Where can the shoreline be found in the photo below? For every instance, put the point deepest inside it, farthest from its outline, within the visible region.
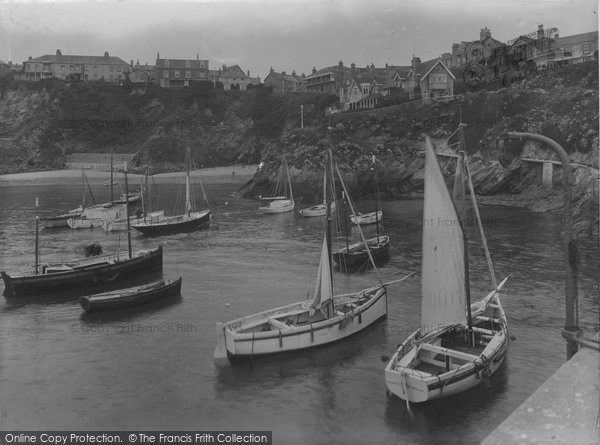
(212, 175)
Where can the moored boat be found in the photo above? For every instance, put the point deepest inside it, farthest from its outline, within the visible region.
(458, 344)
(366, 218)
(322, 320)
(355, 255)
(280, 203)
(131, 297)
(83, 274)
(188, 221)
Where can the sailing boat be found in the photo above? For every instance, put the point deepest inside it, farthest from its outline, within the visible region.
(82, 274)
(190, 220)
(319, 209)
(355, 255)
(458, 343)
(281, 203)
(371, 217)
(147, 215)
(324, 319)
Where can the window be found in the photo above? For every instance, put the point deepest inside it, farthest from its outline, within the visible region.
(187, 63)
(166, 64)
(165, 73)
(188, 74)
(72, 68)
(551, 55)
(568, 51)
(177, 74)
(587, 48)
(62, 67)
(365, 89)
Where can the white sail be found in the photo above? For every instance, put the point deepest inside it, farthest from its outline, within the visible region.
(324, 288)
(443, 299)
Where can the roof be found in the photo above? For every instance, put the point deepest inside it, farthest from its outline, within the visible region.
(86, 60)
(233, 71)
(575, 39)
(181, 64)
(3, 63)
(438, 62)
(281, 76)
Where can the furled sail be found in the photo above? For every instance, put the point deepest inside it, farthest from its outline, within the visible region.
(443, 299)
(458, 190)
(324, 288)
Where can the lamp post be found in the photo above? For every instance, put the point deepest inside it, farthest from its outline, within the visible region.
(571, 328)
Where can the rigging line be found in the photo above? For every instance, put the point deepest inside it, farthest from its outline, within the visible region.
(479, 226)
(90, 190)
(362, 235)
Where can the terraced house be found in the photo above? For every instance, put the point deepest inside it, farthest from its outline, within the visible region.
(180, 72)
(74, 67)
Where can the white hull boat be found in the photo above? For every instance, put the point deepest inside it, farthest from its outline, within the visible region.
(367, 218)
(278, 206)
(458, 344)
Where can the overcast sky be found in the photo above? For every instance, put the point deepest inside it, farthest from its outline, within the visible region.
(285, 34)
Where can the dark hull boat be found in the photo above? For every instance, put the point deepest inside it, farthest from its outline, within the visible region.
(175, 224)
(84, 274)
(130, 297)
(356, 255)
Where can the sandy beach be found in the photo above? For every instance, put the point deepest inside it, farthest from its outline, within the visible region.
(215, 175)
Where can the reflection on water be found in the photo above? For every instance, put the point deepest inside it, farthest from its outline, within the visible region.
(152, 368)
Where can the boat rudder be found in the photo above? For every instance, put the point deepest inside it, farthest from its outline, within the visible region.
(220, 355)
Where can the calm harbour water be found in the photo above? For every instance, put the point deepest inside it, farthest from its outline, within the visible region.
(153, 369)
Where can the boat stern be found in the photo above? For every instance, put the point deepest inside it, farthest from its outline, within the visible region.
(220, 355)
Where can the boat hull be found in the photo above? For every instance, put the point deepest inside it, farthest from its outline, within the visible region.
(367, 218)
(130, 298)
(318, 210)
(175, 224)
(278, 206)
(246, 345)
(356, 255)
(457, 370)
(83, 277)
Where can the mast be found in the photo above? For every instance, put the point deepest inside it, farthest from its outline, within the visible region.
(111, 177)
(476, 210)
(468, 290)
(188, 204)
(328, 219)
(287, 170)
(82, 190)
(127, 209)
(147, 206)
(37, 232)
(374, 168)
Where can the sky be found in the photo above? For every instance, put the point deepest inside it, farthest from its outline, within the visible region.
(288, 35)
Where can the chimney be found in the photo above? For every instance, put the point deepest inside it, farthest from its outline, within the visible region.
(314, 71)
(197, 56)
(352, 67)
(415, 62)
(158, 55)
(58, 52)
(106, 54)
(248, 73)
(272, 70)
(294, 73)
(131, 63)
(455, 47)
(484, 34)
(283, 73)
(386, 66)
(540, 32)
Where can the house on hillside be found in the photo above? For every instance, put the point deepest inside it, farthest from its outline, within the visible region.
(234, 78)
(4, 69)
(285, 83)
(180, 72)
(142, 74)
(77, 68)
(572, 49)
(327, 80)
(438, 81)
